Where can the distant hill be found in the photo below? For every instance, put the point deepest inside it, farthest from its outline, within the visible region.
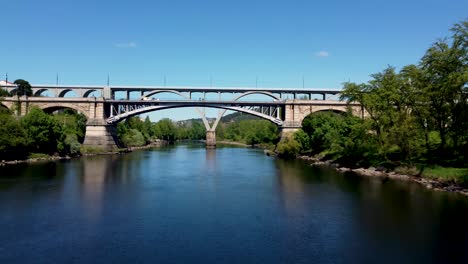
(234, 117)
(238, 116)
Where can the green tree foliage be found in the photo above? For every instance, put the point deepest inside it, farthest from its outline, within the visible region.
(38, 132)
(418, 114)
(4, 93)
(337, 136)
(288, 148)
(165, 129)
(73, 123)
(24, 88)
(43, 132)
(251, 132)
(127, 132)
(133, 138)
(13, 138)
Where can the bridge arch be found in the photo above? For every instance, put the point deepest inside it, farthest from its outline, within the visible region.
(41, 92)
(205, 121)
(13, 91)
(164, 91)
(121, 117)
(243, 95)
(340, 111)
(64, 92)
(52, 108)
(257, 92)
(88, 92)
(203, 117)
(2, 106)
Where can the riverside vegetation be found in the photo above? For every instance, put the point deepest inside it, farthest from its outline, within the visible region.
(417, 118)
(236, 127)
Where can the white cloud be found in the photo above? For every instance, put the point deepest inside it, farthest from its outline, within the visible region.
(126, 45)
(322, 53)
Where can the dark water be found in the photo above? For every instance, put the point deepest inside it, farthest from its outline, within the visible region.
(230, 205)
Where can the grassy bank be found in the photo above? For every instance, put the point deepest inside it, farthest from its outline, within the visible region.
(450, 175)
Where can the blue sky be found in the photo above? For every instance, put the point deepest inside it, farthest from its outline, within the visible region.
(233, 43)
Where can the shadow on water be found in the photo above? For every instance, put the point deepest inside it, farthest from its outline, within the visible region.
(396, 218)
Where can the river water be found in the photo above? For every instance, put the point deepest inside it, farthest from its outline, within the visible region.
(186, 204)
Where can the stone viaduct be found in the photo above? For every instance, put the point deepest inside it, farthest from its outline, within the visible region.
(286, 108)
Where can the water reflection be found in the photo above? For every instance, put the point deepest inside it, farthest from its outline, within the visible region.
(392, 218)
(191, 204)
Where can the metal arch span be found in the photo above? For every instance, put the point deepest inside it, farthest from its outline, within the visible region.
(220, 115)
(123, 116)
(203, 117)
(257, 92)
(164, 91)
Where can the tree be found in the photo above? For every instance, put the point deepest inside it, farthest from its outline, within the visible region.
(164, 129)
(133, 138)
(43, 131)
(13, 138)
(24, 88)
(445, 73)
(4, 93)
(288, 148)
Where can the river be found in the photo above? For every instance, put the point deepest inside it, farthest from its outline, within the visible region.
(188, 204)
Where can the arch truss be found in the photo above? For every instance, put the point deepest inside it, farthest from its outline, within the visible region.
(271, 112)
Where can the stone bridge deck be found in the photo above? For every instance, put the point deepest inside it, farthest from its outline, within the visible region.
(103, 113)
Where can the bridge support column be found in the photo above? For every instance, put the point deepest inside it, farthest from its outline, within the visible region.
(100, 135)
(288, 131)
(211, 139)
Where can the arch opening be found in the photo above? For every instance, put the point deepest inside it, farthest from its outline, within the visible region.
(255, 95)
(4, 109)
(44, 93)
(151, 95)
(60, 109)
(331, 110)
(68, 93)
(121, 117)
(92, 93)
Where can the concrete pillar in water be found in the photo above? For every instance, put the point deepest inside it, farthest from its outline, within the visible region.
(100, 135)
(211, 139)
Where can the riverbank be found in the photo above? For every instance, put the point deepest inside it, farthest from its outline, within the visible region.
(433, 184)
(33, 160)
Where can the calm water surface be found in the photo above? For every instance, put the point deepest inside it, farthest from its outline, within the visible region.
(186, 204)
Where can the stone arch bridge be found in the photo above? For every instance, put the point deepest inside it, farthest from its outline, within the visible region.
(282, 107)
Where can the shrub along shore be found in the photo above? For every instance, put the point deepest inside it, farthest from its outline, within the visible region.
(439, 178)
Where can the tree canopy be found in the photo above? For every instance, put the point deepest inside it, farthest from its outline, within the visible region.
(24, 88)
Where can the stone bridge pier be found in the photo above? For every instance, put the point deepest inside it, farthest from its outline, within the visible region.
(100, 135)
(296, 110)
(211, 138)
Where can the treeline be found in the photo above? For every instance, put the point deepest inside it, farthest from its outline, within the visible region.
(418, 115)
(248, 130)
(38, 132)
(136, 132)
(234, 127)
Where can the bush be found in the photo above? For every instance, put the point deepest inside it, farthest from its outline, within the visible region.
(288, 148)
(133, 138)
(72, 144)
